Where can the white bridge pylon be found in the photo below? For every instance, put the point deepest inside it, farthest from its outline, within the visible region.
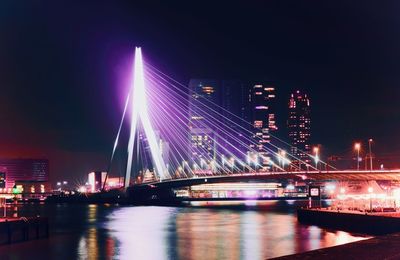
(139, 112)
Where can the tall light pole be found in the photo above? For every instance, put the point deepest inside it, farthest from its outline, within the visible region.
(316, 156)
(232, 163)
(283, 154)
(357, 147)
(248, 160)
(370, 190)
(255, 161)
(370, 152)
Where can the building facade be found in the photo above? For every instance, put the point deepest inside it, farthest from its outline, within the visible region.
(204, 99)
(25, 170)
(264, 122)
(299, 128)
(219, 117)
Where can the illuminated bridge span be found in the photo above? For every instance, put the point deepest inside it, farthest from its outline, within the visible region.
(310, 176)
(282, 185)
(161, 152)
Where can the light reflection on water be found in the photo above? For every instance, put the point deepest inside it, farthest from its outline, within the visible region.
(199, 233)
(112, 232)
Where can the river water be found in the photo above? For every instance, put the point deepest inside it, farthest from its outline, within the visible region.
(251, 230)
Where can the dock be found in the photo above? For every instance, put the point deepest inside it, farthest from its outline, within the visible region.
(374, 223)
(13, 230)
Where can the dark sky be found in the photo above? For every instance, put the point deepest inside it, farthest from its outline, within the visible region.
(62, 67)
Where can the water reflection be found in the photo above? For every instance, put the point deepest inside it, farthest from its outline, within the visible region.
(198, 233)
(141, 231)
(232, 232)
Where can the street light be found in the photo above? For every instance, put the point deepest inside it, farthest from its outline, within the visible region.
(232, 162)
(212, 166)
(202, 163)
(316, 156)
(248, 159)
(370, 152)
(370, 190)
(256, 161)
(357, 147)
(282, 153)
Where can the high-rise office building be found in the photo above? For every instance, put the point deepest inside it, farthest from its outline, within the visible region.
(299, 127)
(204, 94)
(264, 121)
(224, 114)
(219, 117)
(235, 101)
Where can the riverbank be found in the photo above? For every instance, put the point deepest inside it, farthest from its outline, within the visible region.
(368, 223)
(381, 247)
(13, 230)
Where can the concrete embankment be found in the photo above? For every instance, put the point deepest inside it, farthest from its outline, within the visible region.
(14, 230)
(381, 247)
(368, 223)
(384, 246)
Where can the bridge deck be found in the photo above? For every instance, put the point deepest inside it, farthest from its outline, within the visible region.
(346, 175)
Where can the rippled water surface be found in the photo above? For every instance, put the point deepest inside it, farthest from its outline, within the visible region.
(254, 231)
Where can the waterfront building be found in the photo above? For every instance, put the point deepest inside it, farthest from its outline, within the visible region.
(299, 128)
(25, 171)
(264, 121)
(219, 117)
(96, 180)
(236, 113)
(203, 94)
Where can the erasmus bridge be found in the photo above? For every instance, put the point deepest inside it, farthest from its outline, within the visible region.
(159, 145)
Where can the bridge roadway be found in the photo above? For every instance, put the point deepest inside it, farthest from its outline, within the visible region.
(344, 175)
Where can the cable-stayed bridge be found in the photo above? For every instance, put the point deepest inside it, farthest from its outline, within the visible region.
(177, 137)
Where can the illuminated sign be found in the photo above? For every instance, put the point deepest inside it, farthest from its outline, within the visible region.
(314, 192)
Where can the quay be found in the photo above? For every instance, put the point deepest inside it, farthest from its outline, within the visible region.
(381, 247)
(13, 230)
(374, 223)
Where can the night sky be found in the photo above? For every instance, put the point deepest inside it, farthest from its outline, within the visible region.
(63, 67)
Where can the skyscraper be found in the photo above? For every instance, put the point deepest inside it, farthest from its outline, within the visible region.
(219, 117)
(235, 101)
(204, 93)
(264, 120)
(299, 127)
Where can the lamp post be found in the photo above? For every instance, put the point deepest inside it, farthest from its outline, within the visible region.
(202, 163)
(370, 190)
(283, 154)
(248, 160)
(212, 166)
(255, 161)
(357, 147)
(370, 152)
(232, 163)
(316, 156)
(223, 162)
(183, 165)
(195, 167)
